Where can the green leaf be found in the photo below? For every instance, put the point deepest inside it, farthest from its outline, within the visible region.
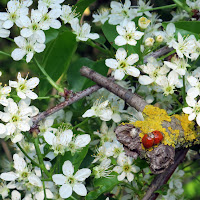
(78, 82)
(187, 28)
(74, 78)
(51, 34)
(57, 57)
(77, 158)
(81, 5)
(102, 185)
(110, 33)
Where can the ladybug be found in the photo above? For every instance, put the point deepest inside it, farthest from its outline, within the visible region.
(148, 141)
(158, 137)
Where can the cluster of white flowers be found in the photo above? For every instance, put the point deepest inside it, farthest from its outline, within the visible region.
(17, 116)
(33, 24)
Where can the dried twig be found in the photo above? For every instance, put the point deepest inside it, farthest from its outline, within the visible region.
(77, 96)
(130, 98)
(162, 179)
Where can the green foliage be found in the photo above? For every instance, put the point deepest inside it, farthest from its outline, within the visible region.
(82, 5)
(78, 82)
(102, 185)
(187, 28)
(57, 57)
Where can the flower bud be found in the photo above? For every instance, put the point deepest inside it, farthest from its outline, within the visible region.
(143, 22)
(159, 38)
(149, 42)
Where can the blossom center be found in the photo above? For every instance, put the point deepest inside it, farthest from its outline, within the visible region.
(126, 168)
(15, 118)
(123, 65)
(71, 180)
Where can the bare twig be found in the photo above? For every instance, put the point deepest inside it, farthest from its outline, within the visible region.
(130, 98)
(88, 91)
(77, 96)
(162, 179)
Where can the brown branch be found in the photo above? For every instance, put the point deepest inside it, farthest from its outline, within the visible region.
(162, 179)
(130, 98)
(138, 103)
(77, 96)
(88, 91)
(160, 52)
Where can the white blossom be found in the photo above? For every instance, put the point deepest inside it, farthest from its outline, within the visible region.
(32, 27)
(59, 140)
(67, 14)
(15, 11)
(4, 93)
(155, 71)
(125, 168)
(169, 34)
(49, 18)
(127, 34)
(185, 46)
(194, 91)
(101, 15)
(193, 109)
(70, 182)
(119, 12)
(4, 33)
(82, 32)
(178, 65)
(123, 65)
(24, 87)
(27, 46)
(99, 110)
(17, 116)
(143, 5)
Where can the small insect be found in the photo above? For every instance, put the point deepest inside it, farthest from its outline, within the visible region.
(151, 139)
(148, 141)
(158, 137)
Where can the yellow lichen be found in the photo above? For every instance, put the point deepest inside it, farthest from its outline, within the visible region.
(153, 120)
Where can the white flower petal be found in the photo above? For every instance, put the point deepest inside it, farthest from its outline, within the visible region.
(18, 54)
(187, 110)
(9, 176)
(68, 168)
(121, 54)
(193, 92)
(80, 189)
(65, 191)
(119, 74)
(191, 116)
(112, 63)
(82, 174)
(82, 140)
(59, 179)
(145, 80)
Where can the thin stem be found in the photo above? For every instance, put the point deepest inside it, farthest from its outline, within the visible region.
(105, 51)
(4, 53)
(10, 39)
(175, 111)
(181, 5)
(176, 100)
(83, 122)
(43, 184)
(40, 157)
(32, 161)
(51, 81)
(160, 8)
(183, 91)
(165, 56)
(48, 97)
(73, 197)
